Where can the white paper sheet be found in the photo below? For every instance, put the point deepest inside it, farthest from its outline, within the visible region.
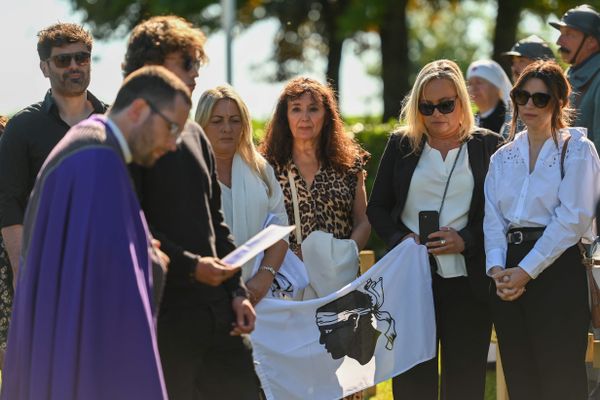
(256, 244)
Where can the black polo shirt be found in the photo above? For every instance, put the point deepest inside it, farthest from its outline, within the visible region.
(27, 140)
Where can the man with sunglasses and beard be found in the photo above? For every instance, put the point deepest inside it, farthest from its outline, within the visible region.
(579, 46)
(205, 313)
(65, 57)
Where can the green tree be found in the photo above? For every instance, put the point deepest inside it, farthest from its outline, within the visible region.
(116, 17)
(410, 32)
(307, 28)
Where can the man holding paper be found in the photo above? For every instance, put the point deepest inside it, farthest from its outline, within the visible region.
(205, 312)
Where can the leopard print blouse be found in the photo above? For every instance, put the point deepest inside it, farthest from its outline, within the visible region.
(326, 205)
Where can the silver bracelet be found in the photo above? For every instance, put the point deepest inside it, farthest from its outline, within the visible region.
(268, 268)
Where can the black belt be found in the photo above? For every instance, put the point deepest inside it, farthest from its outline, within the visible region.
(520, 235)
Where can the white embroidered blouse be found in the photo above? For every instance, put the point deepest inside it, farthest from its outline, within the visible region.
(515, 198)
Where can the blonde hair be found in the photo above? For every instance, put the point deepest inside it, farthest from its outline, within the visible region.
(414, 126)
(246, 148)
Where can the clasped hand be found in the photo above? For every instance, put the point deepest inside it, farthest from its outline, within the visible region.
(510, 282)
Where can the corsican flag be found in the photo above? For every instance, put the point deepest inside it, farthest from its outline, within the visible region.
(376, 327)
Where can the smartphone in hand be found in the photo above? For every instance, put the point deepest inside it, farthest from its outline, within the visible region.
(429, 222)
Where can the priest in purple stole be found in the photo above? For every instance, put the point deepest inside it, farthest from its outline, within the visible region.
(83, 322)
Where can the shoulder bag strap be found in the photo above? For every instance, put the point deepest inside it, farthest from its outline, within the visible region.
(448, 181)
(563, 154)
(296, 207)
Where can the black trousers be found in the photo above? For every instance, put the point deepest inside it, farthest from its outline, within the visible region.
(543, 334)
(463, 329)
(200, 359)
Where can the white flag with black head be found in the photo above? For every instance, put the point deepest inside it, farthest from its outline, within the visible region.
(378, 326)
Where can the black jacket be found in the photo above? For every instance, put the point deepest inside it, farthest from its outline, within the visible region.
(496, 119)
(390, 190)
(181, 198)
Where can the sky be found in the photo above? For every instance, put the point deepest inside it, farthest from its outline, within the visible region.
(22, 82)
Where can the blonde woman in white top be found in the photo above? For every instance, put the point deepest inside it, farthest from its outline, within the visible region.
(249, 190)
(541, 192)
(440, 157)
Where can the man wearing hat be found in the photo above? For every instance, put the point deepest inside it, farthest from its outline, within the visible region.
(526, 51)
(579, 46)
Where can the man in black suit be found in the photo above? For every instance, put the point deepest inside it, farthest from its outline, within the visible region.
(205, 312)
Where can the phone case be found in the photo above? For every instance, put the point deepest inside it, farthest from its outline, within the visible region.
(429, 222)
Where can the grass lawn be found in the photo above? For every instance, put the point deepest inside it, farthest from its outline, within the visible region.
(384, 389)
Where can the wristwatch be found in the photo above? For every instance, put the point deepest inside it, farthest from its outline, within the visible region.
(268, 268)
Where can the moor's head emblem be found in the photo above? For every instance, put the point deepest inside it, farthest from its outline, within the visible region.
(347, 324)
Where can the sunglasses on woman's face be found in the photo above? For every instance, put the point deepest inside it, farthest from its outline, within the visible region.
(444, 106)
(64, 60)
(190, 63)
(521, 97)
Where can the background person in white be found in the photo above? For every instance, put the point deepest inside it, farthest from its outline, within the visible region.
(533, 221)
(249, 189)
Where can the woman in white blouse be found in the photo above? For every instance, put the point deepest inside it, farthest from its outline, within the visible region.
(249, 190)
(541, 192)
(437, 162)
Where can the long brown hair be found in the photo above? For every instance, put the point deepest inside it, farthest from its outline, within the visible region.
(549, 72)
(335, 149)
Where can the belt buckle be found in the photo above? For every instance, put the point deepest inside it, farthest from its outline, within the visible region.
(518, 235)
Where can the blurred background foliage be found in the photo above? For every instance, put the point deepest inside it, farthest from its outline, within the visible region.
(405, 33)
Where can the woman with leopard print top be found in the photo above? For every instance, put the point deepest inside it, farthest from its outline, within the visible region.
(305, 141)
(316, 162)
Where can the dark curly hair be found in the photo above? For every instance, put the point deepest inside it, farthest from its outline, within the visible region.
(336, 148)
(559, 89)
(152, 40)
(59, 35)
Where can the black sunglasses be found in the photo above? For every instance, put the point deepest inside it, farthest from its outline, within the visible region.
(521, 97)
(444, 106)
(174, 127)
(190, 63)
(64, 60)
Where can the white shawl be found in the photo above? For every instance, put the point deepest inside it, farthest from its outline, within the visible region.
(251, 204)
